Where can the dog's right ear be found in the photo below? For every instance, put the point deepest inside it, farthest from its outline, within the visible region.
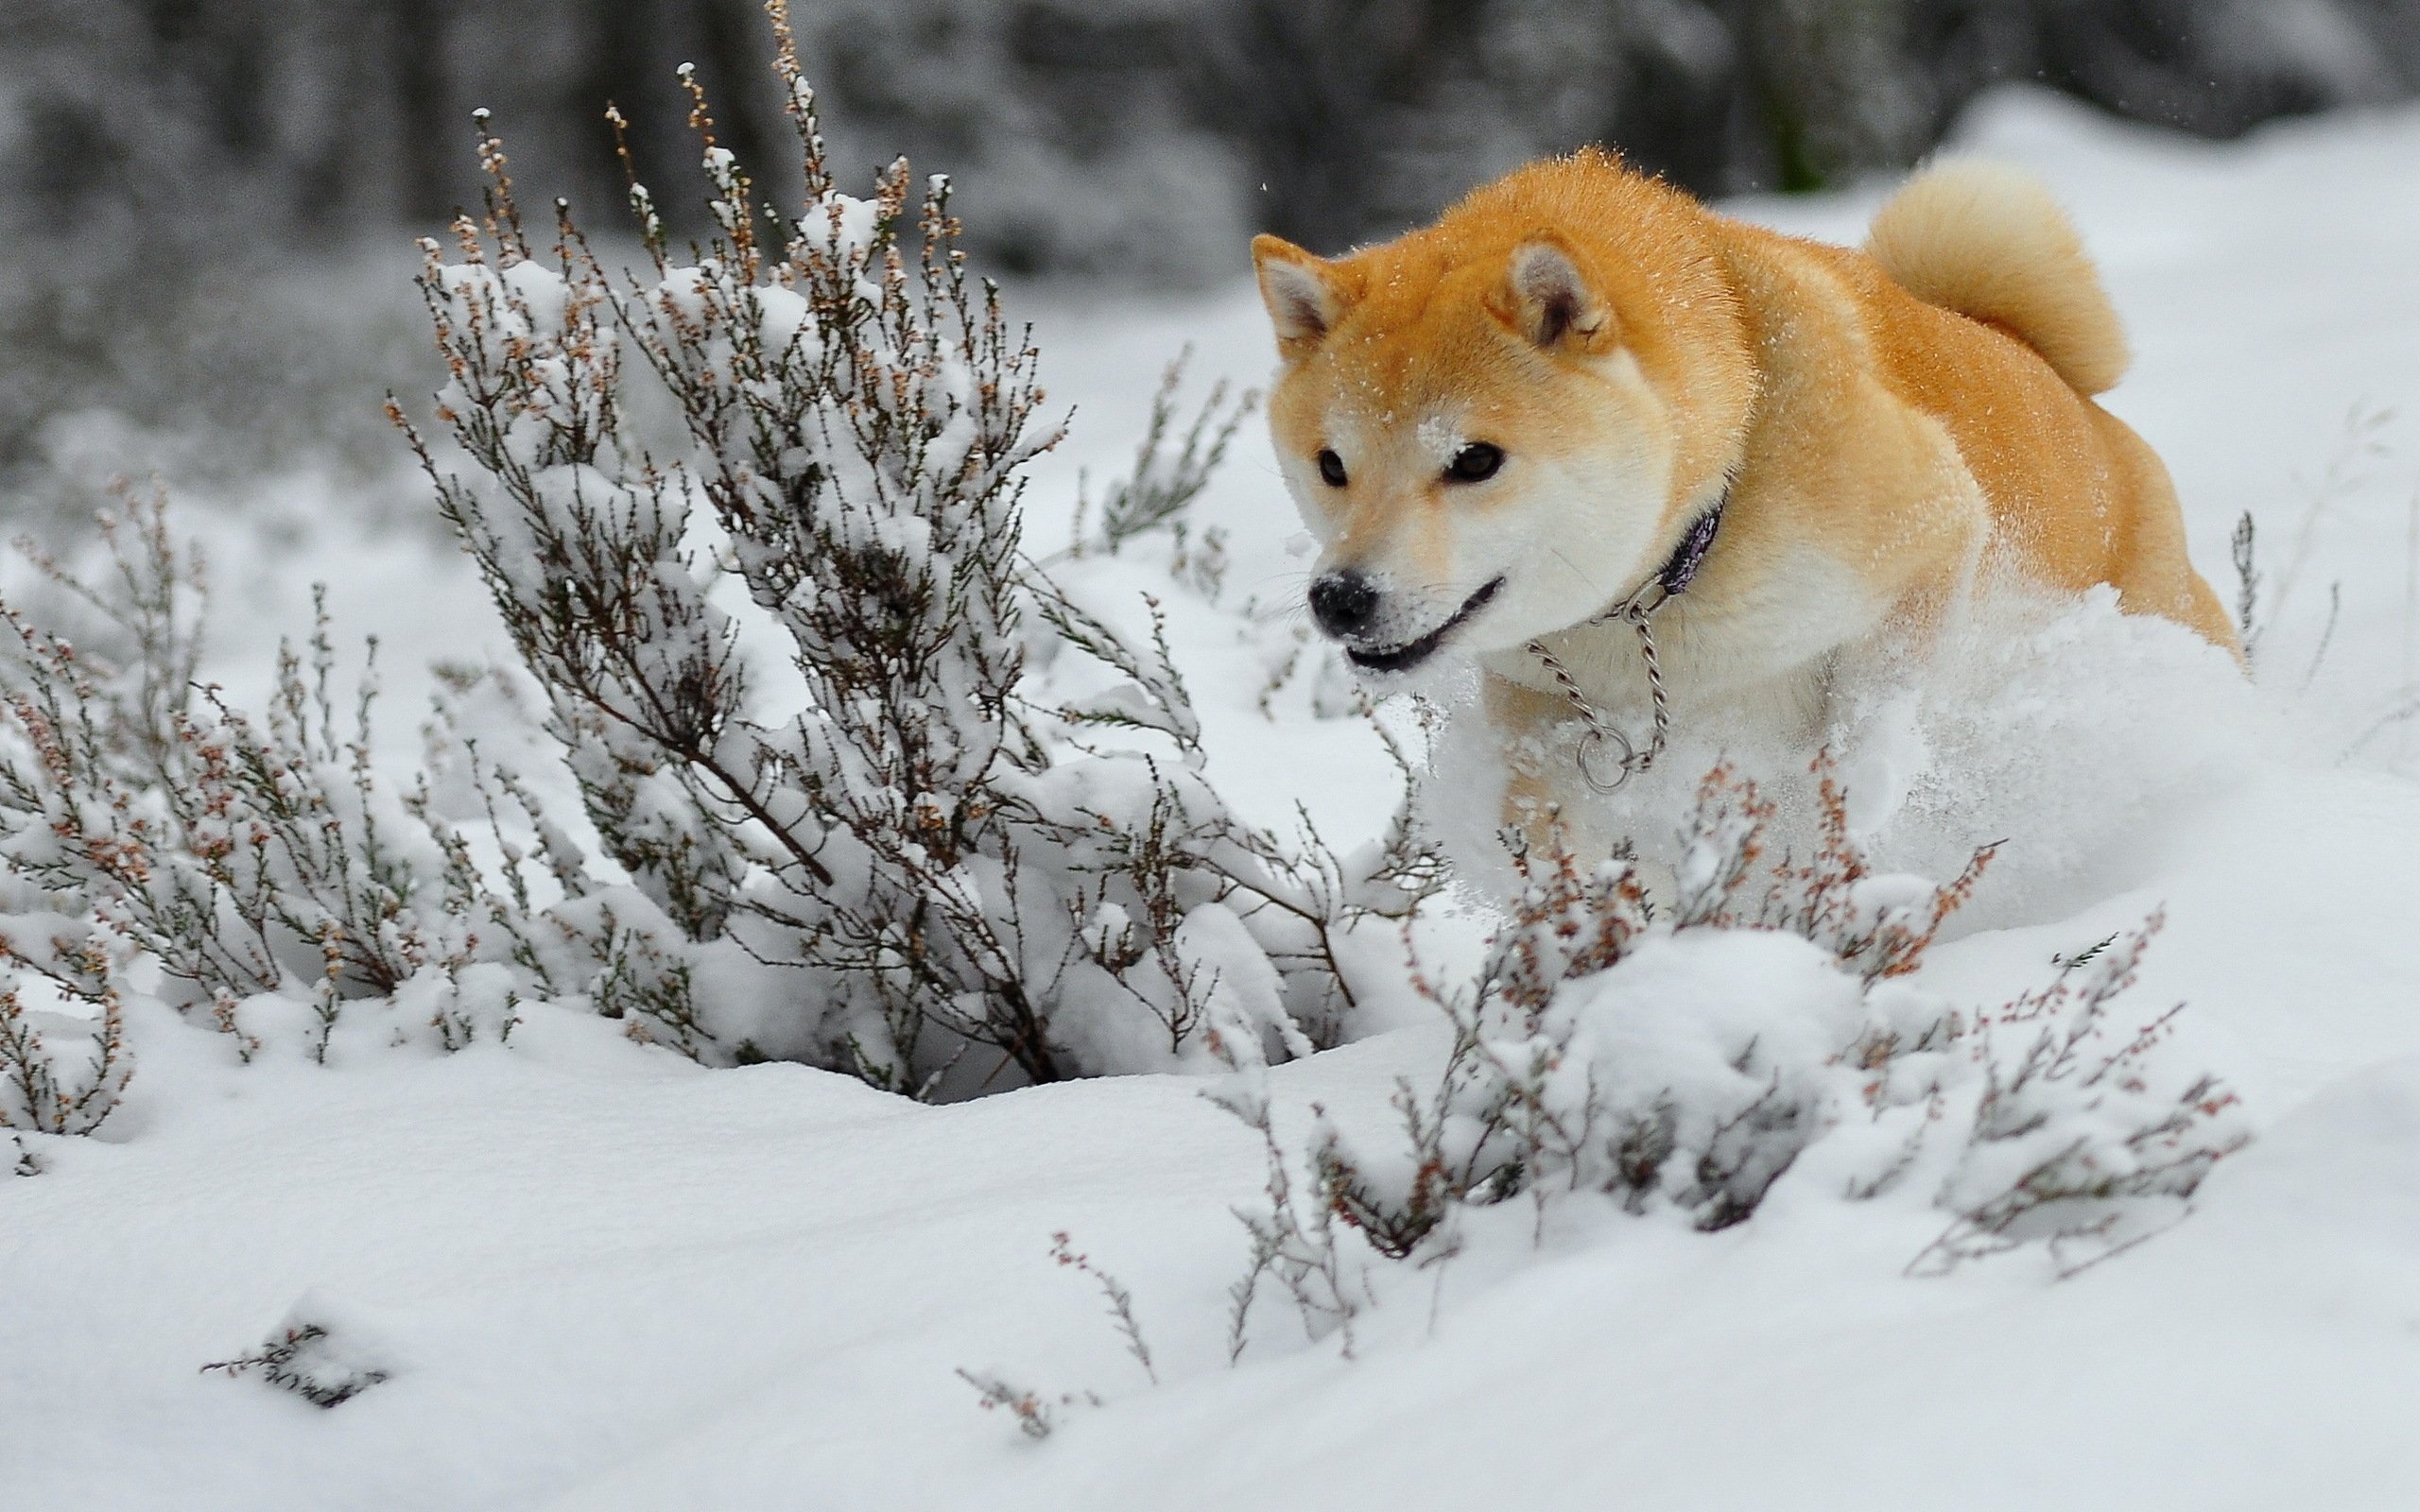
(1301, 292)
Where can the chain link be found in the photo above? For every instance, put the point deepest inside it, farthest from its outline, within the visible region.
(1601, 732)
(1671, 581)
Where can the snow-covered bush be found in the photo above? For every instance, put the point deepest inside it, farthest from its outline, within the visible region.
(939, 858)
(898, 853)
(300, 1361)
(142, 815)
(1684, 1064)
(38, 1093)
(321, 1352)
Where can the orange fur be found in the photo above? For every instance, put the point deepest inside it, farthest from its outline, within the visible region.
(1886, 426)
(1986, 241)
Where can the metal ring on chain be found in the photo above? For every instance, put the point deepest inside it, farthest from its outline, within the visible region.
(1590, 755)
(1638, 609)
(1624, 764)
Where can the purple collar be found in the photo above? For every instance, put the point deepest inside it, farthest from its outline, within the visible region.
(1681, 567)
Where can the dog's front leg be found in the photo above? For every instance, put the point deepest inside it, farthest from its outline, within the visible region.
(1547, 800)
(1536, 795)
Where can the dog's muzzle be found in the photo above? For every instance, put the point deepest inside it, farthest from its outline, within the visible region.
(1411, 653)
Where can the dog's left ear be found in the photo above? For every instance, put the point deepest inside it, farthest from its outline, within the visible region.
(1547, 298)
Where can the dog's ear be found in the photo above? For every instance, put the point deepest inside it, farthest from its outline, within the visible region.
(1302, 293)
(1547, 298)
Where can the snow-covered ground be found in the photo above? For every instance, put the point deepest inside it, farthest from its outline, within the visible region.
(598, 1276)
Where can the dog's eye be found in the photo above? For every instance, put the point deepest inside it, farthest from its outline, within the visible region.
(1332, 470)
(1475, 463)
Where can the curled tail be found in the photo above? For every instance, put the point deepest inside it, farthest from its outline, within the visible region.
(1988, 241)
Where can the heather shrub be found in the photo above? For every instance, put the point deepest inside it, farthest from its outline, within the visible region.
(43, 1093)
(1684, 1064)
(243, 856)
(323, 1352)
(801, 681)
(933, 855)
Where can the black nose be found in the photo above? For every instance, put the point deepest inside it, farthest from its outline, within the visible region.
(1342, 602)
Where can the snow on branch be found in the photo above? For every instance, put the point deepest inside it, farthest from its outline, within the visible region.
(1687, 1064)
(245, 856)
(960, 878)
(923, 865)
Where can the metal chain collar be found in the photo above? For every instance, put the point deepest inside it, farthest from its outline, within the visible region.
(1601, 731)
(1670, 581)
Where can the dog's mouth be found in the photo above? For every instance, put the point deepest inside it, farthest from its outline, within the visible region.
(1411, 653)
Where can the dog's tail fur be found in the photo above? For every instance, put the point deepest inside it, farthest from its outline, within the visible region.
(1988, 242)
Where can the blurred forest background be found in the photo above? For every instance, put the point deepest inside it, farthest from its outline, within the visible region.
(206, 206)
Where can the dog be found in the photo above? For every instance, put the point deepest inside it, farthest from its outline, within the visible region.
(1640, 462)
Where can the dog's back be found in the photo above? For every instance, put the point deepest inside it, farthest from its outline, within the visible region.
(2075, 494)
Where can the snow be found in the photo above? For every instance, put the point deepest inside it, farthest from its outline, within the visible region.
(2257, 1357)
(596, 1276)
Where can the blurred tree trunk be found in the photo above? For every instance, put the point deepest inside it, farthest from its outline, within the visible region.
(615, 72)
(1315, 94)
(1835, 86)
(1086, 133)
(430, 152)
(735, 63)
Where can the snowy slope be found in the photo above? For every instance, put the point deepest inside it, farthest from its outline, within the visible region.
(599, 1276)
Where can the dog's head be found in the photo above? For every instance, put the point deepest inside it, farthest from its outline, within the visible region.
(1471, 435)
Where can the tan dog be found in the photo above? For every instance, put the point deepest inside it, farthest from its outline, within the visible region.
(1580, 380)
